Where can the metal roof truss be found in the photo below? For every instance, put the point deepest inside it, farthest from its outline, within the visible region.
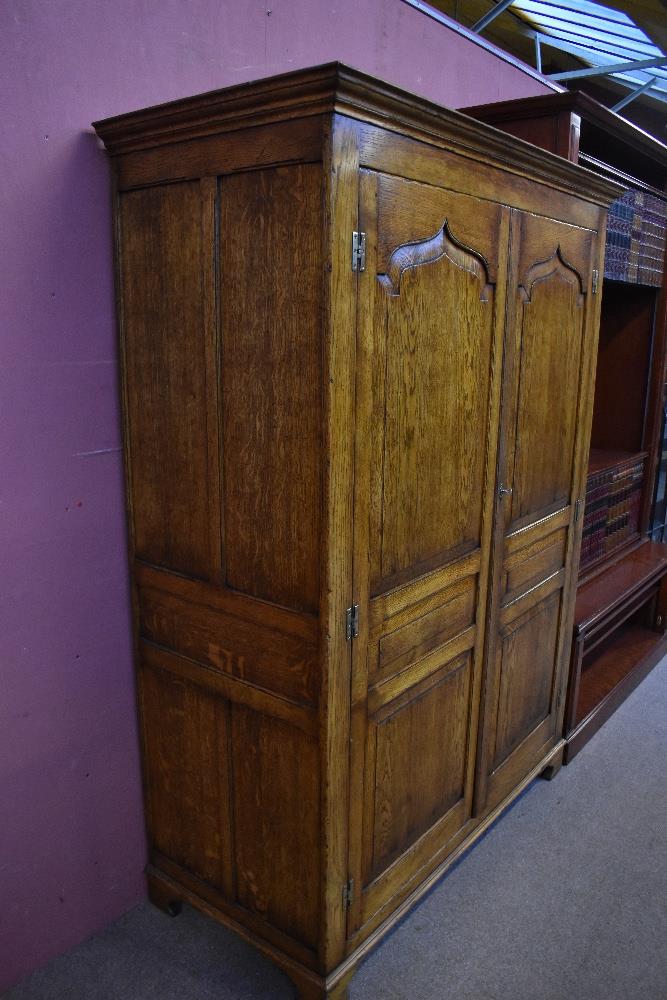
(607, 39)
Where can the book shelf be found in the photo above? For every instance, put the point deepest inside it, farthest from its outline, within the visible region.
(621, 608)
(612, 504)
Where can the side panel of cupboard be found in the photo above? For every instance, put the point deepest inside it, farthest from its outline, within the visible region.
(222, 357)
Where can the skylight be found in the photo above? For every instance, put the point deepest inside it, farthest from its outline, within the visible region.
(597, 35)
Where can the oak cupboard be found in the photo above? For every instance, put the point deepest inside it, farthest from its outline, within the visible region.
(357, 337)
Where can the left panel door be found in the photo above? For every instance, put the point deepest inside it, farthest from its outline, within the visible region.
(431, 305)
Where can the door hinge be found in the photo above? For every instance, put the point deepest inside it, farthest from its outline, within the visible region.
(352, 622)
(348, 894)
(578, 508)
(596, 281)
(358, 251)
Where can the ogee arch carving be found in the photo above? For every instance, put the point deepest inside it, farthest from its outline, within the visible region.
(428, 251)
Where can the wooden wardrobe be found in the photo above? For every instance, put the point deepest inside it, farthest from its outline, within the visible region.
(357, 342)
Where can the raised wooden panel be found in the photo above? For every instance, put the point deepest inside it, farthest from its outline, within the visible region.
(229, 601)
(526, 567)
(257, 654)
(420, 758)
(430, 626)
(240, 150)
(551, 351)
(187, 768)
(436, 321)
(277, 822)
(164, 267)
(403, 157)
(271, 328)
(527, 654)
(396, 200)
(401, 605)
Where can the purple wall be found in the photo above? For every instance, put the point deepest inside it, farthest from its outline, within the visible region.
(71, 831)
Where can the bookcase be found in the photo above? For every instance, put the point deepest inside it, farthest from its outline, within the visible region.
(619, 622)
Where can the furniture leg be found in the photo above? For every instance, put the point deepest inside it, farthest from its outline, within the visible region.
(163, 897)
(308, 988)
(552, 769)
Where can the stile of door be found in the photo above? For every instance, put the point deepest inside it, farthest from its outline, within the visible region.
(431, 309)
(545, 415)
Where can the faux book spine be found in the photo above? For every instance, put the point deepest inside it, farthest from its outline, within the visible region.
(635, 249)
(611, 514)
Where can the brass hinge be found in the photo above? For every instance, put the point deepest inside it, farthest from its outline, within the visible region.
(596, 281)
(348, 894)
(578, 508)
(358, 251)
(352, 622)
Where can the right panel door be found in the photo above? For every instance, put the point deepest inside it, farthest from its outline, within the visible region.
(545, 418)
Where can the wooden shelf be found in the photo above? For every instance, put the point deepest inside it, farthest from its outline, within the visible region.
(598, 599)
(618, 638)
(607, 682)
(627, 648)
(601, 459)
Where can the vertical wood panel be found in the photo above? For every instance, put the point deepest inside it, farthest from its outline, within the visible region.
(211, 305)
(341, 193)
(271, 301)
(277, 822)
(551, 346)
(432, 347)
(438, 345)
(186, 732)
(420, 763)
(527, 666)
(162, 271)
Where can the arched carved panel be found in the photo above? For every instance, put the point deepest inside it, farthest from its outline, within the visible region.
(437, 324)
(428, 251)
(554, 266)
(550, 315)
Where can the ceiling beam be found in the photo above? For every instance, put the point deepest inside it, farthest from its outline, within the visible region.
(491, 16)
(635, 93)
(622, 67)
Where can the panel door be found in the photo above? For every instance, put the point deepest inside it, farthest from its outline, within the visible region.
(545, 418)
(431, 303)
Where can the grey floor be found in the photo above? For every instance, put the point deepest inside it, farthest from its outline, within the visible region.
(564, 899)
